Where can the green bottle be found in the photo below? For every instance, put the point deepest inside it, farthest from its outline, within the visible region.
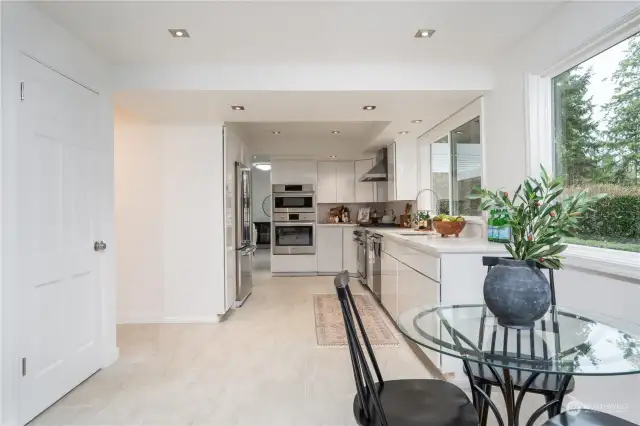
(491, 227)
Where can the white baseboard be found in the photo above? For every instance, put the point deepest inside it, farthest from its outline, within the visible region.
(170, 320)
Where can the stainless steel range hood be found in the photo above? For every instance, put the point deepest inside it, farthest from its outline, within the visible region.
(378, 172)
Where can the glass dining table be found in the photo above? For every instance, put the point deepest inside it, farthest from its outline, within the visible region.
(566, 342)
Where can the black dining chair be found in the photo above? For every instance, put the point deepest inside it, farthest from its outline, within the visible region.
(586, 418)
(413, 402)
(547, 385)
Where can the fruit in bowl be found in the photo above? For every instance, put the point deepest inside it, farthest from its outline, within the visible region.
(448, 225)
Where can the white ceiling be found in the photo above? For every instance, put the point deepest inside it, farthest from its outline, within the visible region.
(394, 112)
(309, 139)
(285, 32)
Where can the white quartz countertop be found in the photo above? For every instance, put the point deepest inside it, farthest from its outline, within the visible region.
(337, 224)
(434, 244)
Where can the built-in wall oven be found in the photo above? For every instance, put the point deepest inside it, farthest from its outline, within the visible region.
(298, 198)
(294, 233)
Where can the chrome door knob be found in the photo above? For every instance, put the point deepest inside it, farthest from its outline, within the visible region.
(99, 246)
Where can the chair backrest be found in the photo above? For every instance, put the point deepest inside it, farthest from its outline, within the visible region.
(367, 395)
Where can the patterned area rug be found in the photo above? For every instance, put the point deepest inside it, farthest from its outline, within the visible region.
(330, 330)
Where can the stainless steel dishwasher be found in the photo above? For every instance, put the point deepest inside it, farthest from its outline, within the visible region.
(374, 264)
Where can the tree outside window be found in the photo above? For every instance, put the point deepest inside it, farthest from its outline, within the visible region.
(597, 142)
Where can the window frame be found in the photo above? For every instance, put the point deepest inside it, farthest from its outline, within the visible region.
(471, 111)
(539, 149)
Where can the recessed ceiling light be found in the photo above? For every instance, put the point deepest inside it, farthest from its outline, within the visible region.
(275, 132)
(263, 166)
(416, 121)
(255, 156)
(335, 132)
(333, 156)
(424, 33)
(237, 107)
(179, 33)
(369, 107)
(404, 132)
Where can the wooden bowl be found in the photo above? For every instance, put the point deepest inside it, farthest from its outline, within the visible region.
(448, 228)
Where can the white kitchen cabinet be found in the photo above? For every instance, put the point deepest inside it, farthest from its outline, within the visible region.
(364, 191)
(389, 291)
(329, 248)
(336, 182)
(326, 191)
(415, 289)
(349, 251)
(391, 172)
(346, 182)
(294, 172)
(402, 168)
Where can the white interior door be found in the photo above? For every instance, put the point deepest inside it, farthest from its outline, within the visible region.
(57, 267)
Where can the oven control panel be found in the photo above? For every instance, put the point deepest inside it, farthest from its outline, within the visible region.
(294, 217)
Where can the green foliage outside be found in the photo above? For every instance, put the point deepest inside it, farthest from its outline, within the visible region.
(602, 157)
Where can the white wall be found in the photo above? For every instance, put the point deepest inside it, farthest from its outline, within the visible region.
(168, 205)
(139, 220)
(261, 187)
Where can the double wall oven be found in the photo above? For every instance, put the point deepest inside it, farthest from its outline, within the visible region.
(294, 220)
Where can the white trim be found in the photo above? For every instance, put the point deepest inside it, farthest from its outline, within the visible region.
(169, 320)
(620, 264)
(608, 37)
(538, 124)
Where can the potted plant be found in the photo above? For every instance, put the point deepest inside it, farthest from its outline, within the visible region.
(423, 219)
(515, 290)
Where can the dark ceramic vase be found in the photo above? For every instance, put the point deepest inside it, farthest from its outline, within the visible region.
(517, 293)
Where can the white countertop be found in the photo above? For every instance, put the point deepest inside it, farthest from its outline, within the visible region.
(434, 244)
(337, 224)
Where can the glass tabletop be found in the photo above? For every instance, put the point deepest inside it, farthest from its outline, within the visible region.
(564, 341)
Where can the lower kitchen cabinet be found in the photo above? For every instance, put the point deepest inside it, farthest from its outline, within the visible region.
(389, 291)
(329, 245)
(415, 289)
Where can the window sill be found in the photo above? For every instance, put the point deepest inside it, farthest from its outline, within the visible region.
(623, 265)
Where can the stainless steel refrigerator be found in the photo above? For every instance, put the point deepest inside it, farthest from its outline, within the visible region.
(244, 246)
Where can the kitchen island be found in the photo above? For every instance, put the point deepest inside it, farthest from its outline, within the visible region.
(426, 269)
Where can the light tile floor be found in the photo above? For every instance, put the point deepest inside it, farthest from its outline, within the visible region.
(261, 367)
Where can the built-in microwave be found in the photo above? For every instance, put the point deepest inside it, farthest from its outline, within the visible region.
(294, 199)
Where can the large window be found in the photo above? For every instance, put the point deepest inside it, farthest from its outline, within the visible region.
(456, 169)
(597, 142)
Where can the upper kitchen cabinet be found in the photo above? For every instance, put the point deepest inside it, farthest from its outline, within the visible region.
(336, 182)
(294, 172)
(364, 190)
(402, 169)
(326, 192)
(346, 180)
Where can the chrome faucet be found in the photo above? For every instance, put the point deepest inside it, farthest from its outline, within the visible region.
(434, 193)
